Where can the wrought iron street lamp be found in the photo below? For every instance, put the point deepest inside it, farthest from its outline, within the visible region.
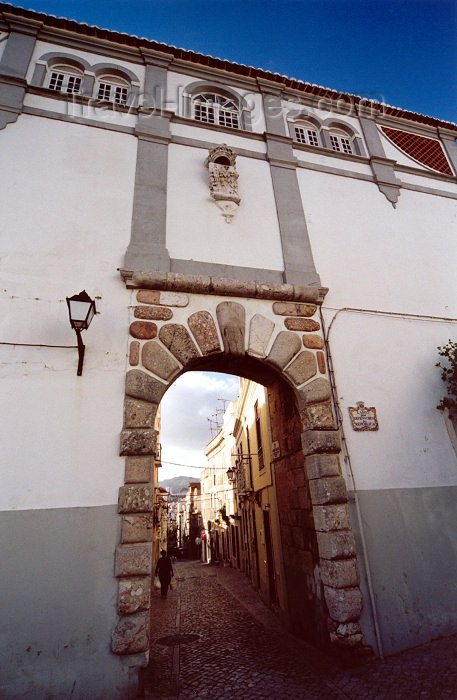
(230, 472)
(81, 309)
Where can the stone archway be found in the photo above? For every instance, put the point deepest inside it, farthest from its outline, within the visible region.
(265, 332)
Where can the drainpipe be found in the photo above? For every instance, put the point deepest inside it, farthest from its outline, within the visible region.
(347, 460)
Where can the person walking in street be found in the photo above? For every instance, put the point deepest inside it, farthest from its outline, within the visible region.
(164, 571)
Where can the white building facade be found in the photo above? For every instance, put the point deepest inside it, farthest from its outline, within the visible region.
(228, 219)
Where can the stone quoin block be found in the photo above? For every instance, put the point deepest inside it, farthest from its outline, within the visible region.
(331, 517)
(137, 528)
(301, 324)
(156, 359)
(224, 286)
(137, 441)
(320, 441)
(134, 353)
(177, 339)
(335, 545)
(285, 346)
(231, 317)
(139, 414)
(302, 368)
(273, 290)
(133, 560)
(339, 573)
(136, 498)
(131, 635)
(328, 490)
(204, 330)
(294, 309)
(321, 362)
(153, 313)
(149, 296)
(143, 330)
(319, 416)
(134, 595)
(260, 332)
(138, 470)
(344, 604)
(316, 391)
(318, 466)
(314, 342)
(140, 385)
(197, 284)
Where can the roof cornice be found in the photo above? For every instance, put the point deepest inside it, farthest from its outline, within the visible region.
(130, 44)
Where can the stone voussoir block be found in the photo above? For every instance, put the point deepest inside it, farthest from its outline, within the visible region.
(131, 635)
(318, 416)
(140, 385)
(286, 345)
(204, 329)
(231, 317)
(136, 498)
(314, 392)
(344, 604)
(138, 441)
(336, 545)
(156, 359)
(177, 339)
(260, 332)
(314, 441)
(301, 324)
(302, 368)
(339, 573)
(134, 353)
(294, 309)
(313, 341)
(320, 465)
(134, 594)
(328, 490)
(334, 516)
(133, 560)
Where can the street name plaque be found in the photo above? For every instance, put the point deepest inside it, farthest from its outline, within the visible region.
(363, 418)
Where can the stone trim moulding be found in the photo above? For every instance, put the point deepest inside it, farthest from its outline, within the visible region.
(180, 323)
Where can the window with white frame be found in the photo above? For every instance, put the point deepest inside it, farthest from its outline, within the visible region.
(110, 88)
(341, 142)
(212, 108)
(306, 133)
(66, 79)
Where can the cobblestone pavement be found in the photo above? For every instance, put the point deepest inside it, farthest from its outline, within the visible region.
(231, 646)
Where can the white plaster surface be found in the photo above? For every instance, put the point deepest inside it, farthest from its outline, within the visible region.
(389, 363)
(373, 256)
(332, 161)
(196, 230)
(61, 432)
(233, 139)
(76, 110)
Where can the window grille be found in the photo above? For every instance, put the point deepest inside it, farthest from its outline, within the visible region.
(341, 143)
(109, 92)
(306, 135)
(61, 81)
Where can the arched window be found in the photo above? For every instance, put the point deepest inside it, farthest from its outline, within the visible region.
(341, 141)
(212, 108)
(65, 78)
(110, 88)
(305, 132)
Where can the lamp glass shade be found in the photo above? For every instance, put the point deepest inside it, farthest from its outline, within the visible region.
(230, 473)
(81, 309)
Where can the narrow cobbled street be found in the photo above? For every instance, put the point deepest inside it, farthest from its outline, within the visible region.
(213, 638)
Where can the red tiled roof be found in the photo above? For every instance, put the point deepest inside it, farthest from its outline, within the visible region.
(238, 68)
(427, 151)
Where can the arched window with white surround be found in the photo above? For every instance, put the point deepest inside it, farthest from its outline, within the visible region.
(213, 108)
(306, 132)
(341, 141)
(64, 78)
(111, 88)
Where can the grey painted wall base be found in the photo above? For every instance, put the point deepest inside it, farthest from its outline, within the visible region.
(412, 550)
(58, 602)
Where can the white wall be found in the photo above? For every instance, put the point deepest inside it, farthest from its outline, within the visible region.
(196, 229)
(63, 231)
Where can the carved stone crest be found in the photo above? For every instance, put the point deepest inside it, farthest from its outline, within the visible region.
(223, 180)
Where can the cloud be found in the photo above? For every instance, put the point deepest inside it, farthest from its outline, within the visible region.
(185, 409)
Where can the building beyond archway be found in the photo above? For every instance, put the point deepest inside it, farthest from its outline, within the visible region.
(270, 333)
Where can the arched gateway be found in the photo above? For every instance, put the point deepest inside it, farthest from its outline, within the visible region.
(270, 333)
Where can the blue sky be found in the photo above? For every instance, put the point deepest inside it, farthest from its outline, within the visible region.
(403, 52)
